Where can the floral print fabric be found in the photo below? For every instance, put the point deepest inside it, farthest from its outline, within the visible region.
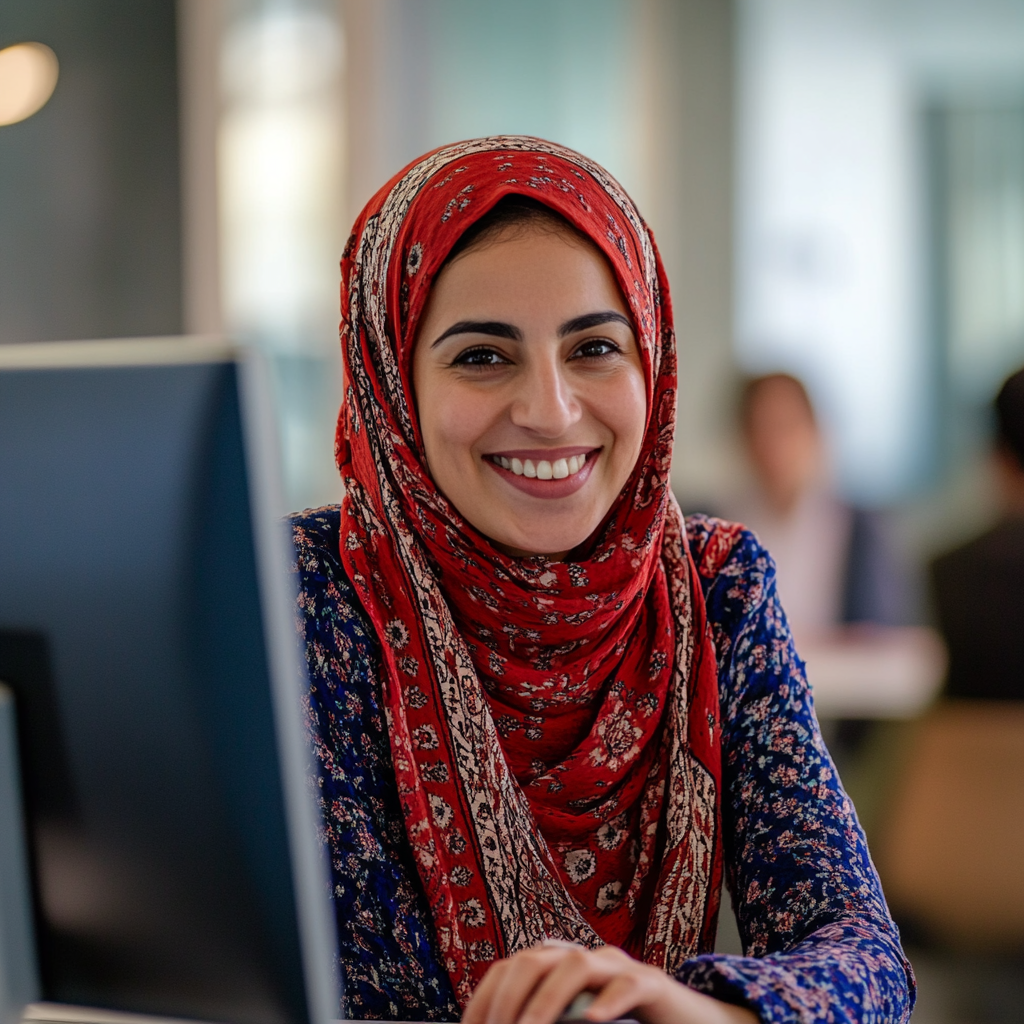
(820, 943)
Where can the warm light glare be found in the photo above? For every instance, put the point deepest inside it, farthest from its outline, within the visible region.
(28, 74)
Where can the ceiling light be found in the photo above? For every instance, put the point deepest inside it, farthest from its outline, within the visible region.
(28, 74)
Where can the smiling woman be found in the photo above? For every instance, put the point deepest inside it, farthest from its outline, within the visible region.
(549, 714)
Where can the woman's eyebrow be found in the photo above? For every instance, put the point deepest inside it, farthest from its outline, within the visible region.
(495, 328)
(588, 320)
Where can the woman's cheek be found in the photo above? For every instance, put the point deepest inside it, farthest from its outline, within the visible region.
(625, 411)
(462, 417)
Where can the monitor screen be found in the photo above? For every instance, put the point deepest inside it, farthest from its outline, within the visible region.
(146, 633)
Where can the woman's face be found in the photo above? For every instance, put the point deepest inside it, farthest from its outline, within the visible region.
(783, 442)
(530, 389)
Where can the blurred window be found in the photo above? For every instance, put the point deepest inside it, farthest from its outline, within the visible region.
(561, 71)
(281, 187)
(827, 242)
(880, 242)
(978, 184)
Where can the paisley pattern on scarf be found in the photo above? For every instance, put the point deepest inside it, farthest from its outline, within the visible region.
(553, 725)
(820, 945)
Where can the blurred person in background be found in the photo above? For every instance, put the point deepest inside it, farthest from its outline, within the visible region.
(847, 589)
(836, 563)
(956, 810)
(978, 588)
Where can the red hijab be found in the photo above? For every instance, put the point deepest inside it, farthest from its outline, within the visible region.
(554, 725)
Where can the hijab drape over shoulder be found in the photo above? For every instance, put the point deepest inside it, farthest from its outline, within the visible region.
(554, 725)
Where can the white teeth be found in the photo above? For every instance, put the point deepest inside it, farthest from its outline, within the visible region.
(542, 469)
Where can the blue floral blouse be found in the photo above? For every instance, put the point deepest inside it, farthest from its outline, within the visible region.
(820, 944)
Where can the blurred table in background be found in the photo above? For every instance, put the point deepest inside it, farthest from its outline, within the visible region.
(874, 672)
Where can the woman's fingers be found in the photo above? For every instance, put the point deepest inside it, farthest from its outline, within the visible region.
(516, 989)
(536, 985)
(576, 970)
(623, 994)
(476, 1008)
(508, 984)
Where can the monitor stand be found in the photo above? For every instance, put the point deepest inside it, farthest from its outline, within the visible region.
(19, 978)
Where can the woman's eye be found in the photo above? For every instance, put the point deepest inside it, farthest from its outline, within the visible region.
(595, 348)
(479, 357)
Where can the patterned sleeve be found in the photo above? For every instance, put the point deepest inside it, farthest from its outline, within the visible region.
(819, 940)
(387, 953)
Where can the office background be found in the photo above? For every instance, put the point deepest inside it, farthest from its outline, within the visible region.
(837, 187)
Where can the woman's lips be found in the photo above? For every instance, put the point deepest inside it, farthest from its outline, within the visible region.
(559, 473)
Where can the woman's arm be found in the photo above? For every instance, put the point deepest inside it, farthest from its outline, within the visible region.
(809, 905)
(387, 952)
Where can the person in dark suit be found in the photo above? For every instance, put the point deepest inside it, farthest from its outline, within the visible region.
(978, 589)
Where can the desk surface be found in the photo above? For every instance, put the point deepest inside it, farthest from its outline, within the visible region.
(874, 673)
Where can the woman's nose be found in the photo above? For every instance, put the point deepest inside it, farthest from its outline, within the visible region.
(544, 402)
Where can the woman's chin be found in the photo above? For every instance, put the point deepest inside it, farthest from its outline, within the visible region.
(554, 546)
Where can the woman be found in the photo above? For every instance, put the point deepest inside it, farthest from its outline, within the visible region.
(548, 714)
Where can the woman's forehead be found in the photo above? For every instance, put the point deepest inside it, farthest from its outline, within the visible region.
(505, 261)
(426, 241)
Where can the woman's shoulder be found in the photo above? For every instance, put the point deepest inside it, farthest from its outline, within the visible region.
(737, 578)
(730, 559)
(315, 533)
(324, 588)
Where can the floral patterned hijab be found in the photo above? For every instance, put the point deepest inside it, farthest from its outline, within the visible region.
(554, 725)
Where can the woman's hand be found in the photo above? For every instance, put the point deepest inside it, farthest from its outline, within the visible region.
(536, 985)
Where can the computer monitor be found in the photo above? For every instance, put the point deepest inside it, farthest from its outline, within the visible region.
(147, 633)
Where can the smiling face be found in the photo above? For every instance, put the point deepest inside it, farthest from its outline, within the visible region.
(530, 389)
